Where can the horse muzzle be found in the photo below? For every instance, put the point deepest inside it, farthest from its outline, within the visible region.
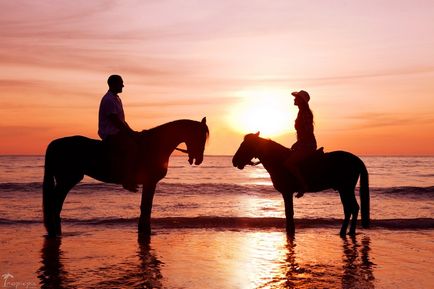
(237, 163)
(240, 167)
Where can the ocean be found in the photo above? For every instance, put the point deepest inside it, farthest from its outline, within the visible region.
(210, 221)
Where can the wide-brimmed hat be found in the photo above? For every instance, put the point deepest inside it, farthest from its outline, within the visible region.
(302, 94)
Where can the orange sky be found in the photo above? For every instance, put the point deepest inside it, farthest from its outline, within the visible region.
(368, 66)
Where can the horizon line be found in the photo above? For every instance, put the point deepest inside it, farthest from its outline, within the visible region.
(222, 155)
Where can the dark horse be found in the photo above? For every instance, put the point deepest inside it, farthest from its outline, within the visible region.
(338, 170)
(68, 159)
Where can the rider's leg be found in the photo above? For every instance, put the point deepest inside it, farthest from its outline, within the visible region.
(129, 175)
(292, 164)
(123, 154)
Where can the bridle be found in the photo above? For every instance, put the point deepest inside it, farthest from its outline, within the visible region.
(182, 150)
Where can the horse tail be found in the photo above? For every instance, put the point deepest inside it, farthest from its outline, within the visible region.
(48, 188)
(364, 195)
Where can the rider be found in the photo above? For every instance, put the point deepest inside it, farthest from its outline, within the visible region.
(306, 142)
(116, 133)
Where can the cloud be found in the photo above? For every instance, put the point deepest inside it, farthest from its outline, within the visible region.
(384, 120)
(14, 130)
(391, 72)
(7, 83)
(184, 102)
(166, 44)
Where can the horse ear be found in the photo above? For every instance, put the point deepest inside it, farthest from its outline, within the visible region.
(257, 134)
(203, 120)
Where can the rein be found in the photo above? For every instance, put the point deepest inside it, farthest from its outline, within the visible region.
(182, 150)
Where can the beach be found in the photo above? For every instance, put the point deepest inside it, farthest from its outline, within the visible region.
(217, 227)
(114, 257)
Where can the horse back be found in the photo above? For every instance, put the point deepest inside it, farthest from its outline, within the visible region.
(334, 169)
(72, 155)
(76, 146)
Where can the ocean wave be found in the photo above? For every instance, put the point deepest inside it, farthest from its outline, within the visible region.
(165, 188)
(212, 222)
(205, 188)
(20, 187)
(409, 190)
(426, 175)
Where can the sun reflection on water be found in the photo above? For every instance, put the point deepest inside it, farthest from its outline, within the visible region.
(262, 251)
(259, 175)
(273, 260)
(264, 208)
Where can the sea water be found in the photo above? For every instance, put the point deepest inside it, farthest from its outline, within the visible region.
(215, 226)
(400, 188)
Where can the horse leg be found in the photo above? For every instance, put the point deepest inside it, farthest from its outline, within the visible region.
(52, 211)
(354, 211)
(146, 209)
(289, 213)
(347, 212)
(50, 216)
(62, 189)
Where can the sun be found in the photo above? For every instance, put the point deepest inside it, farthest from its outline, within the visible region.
(265, 110)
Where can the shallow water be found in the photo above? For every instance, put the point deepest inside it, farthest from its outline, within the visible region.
(218, 227)
(113, 257)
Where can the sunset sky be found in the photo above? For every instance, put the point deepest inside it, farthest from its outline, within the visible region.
(368, 65)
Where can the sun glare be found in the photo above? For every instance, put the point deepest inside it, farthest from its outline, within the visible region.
(267, 111)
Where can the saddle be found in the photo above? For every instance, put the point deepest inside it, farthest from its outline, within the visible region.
(120, 156)
(319, 152)
(316, 155)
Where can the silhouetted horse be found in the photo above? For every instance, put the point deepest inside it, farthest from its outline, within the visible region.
(68, 159)
(338, 170)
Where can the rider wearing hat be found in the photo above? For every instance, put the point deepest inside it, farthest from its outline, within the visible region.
(306, 142)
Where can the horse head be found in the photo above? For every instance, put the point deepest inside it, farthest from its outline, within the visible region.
(196, 142)
(247, 151)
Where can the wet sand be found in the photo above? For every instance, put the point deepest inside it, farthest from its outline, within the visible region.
(114, 257)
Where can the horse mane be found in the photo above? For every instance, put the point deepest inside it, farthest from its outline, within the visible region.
(183, 122)
(274, 148)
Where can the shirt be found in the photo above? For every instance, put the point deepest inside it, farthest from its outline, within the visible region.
(304, 127)
(110, 104)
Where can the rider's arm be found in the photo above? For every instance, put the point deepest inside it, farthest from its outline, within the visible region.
(123, 126)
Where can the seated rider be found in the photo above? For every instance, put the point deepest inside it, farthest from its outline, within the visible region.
(306, 142)
(117, 134)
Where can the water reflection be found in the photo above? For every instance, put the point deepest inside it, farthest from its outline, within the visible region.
(357, 264)
(312, 268)
(144, 274)
(150, 266)
(290, 273)
(52, 273)
(140, 271)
